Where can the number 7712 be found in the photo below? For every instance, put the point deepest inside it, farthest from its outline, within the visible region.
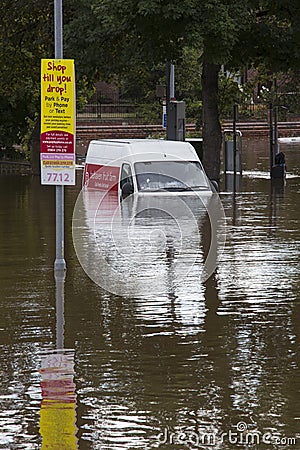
(55, 177)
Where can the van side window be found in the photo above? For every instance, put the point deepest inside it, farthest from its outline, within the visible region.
(126, 176)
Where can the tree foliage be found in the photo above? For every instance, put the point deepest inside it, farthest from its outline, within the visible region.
(272, 37)
(133, 39)
(134, 36)
(25, 37)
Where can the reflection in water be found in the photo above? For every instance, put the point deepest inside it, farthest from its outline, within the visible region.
(57, 415)
(123, 247)
(277, 189)
(258, 267)
(233, 183)
(58, 406)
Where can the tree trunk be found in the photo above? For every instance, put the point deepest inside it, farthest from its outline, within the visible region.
(211, 131)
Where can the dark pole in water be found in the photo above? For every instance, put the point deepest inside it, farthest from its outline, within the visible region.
(271, 137)
(235, 114)
(276, 147)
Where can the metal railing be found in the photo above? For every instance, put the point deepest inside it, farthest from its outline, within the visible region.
(108, 111)
(15, 167)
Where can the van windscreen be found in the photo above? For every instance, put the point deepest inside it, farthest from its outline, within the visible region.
(170, 176)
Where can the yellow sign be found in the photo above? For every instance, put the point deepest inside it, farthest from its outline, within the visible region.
(58, 121)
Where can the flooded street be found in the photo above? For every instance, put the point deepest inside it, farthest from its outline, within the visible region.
(166, 361)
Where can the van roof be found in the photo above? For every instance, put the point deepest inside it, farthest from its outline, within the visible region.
(161, 147)
(133, 141)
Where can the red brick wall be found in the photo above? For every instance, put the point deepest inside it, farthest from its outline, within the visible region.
(85, 133)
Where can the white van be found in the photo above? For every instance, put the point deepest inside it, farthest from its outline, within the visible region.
(144, 166)
(133, 245)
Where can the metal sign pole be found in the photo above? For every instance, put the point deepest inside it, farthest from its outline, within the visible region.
(60, 263)
(168, 72)
(172, 82)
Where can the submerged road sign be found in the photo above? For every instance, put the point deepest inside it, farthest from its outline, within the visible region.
(57, 145)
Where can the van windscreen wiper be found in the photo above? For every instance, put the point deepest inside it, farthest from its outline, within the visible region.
(175, 188)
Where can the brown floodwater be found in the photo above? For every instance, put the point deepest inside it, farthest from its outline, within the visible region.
(167, 360)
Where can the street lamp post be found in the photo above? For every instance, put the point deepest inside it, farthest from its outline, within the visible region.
(60, 263)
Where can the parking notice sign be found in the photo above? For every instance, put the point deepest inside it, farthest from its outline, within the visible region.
(57, 142)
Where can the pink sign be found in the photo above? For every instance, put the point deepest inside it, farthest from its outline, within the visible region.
(57, 141)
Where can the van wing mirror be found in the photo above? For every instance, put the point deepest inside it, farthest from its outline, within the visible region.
(127, 189)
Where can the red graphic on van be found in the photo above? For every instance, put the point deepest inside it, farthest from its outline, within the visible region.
(102, 178)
